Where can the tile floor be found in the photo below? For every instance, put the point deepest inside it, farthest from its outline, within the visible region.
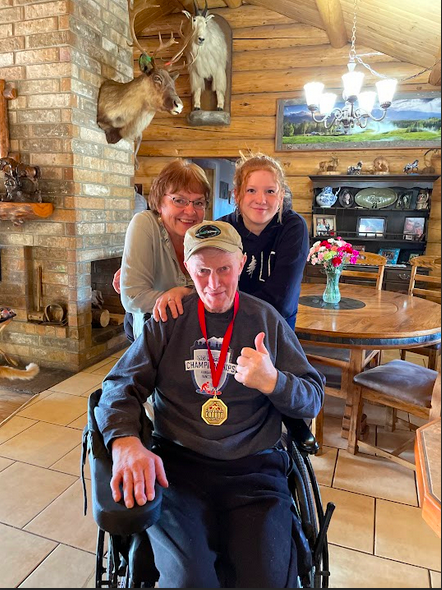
(377, 537)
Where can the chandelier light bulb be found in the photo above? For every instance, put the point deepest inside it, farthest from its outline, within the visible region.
(313, 92)
(353, 81)
(386, 90)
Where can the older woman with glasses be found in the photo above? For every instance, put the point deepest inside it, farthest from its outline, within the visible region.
(152, 270)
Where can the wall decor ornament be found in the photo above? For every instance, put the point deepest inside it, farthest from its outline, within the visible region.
(21, 181)
(412, 167)
(329, 166)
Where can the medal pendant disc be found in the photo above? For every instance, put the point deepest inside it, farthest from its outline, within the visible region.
(214, 412)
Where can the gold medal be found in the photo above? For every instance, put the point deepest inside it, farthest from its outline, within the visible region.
(214, 412)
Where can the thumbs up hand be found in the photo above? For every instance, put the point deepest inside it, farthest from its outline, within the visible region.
(255, 368)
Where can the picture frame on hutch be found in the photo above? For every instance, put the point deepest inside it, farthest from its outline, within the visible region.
(391, 254)
(324, 225)
(413, 120)
(414, 228)
(412, 254)
(371, 227)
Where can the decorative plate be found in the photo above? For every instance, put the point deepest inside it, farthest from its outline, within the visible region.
(376, 198)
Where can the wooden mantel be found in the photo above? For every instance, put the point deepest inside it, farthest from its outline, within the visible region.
(18, 213)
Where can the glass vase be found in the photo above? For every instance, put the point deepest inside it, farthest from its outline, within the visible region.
(331, 293)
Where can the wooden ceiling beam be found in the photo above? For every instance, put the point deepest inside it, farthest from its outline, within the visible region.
(434, 78)
(333, 19)
(151, 15)
(284, 7)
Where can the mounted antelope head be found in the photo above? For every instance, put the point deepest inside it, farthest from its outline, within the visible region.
(126, 109)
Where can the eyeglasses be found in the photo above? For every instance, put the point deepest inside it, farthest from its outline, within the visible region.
(182, 203)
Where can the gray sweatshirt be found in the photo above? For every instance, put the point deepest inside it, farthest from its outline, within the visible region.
(170, 360)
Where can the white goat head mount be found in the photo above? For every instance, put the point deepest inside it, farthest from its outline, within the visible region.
(199, 22)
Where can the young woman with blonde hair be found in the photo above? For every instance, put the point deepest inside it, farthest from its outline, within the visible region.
(275, 238)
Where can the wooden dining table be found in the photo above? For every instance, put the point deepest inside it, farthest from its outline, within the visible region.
(364, 321)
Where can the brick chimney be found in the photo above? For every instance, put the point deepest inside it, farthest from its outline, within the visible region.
(56, 54)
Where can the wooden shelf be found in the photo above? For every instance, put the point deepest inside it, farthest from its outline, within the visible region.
(18, 213)
(351, 178)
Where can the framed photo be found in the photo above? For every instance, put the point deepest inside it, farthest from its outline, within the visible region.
(412, 255)
(414, 228)
(371, 227)
(346, 199)
(413, 120)
(324, 225)
(391, 254)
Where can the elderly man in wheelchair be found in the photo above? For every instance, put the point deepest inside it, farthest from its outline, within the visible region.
(223, 375)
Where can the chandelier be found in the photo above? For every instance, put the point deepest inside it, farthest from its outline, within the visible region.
(358, 106)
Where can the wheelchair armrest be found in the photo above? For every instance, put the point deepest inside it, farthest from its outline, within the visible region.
(109, 515)
(301, 435)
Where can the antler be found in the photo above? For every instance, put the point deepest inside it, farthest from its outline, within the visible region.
(206, 10)
(162, 46)
(133, 13)
(187, 39)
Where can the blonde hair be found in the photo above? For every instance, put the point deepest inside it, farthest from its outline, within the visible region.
(179, 175)
(249, 163)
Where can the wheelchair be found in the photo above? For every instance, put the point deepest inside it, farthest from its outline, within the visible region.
(124, 557)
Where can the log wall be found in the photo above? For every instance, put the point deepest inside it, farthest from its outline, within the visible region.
(274, 57)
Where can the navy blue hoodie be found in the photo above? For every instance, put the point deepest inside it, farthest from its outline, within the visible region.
(275, 261)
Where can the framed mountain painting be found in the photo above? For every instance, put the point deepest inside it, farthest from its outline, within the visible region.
(413, 120)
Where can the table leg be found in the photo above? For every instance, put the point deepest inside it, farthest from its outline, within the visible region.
(355, 365)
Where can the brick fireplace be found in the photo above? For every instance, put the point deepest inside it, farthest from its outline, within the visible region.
(56, 54)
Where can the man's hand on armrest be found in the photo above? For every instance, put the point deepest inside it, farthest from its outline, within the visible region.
(136, 469)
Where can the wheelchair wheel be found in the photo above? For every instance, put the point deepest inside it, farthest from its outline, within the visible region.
(111, 568)
(309, 510)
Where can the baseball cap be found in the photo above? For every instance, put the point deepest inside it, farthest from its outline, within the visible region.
(211, 234)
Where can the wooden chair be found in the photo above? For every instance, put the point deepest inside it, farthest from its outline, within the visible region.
(399, 385)
(338, 358)
(369, 259)
(427, 290)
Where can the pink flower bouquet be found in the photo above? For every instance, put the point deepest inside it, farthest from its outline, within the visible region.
(332, 253)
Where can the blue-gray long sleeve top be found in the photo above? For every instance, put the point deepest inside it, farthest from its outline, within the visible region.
(170, 361)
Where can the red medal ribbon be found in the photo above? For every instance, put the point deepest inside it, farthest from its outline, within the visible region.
(216, 371)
